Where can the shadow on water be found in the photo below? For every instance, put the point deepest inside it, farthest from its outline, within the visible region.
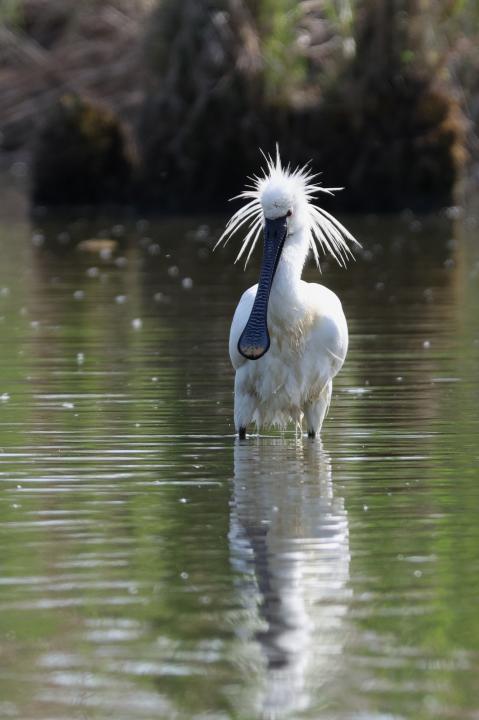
(289, 543)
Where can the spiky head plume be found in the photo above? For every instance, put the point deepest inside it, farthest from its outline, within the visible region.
(301, 187)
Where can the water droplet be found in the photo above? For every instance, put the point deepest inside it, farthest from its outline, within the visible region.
(454, 212)
(120, 299)
(137, 323)
(4, 397)
(63, 238)
(173, 271)
(154, 249)
(106, 253)
(142, 225)
(38, 239)
(187, 283)
(19, 169)
(79, 294)
(202, 232)
(68, 405)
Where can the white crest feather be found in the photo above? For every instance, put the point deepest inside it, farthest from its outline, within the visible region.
(325, 232)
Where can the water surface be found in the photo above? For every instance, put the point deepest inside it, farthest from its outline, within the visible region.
(151, 566)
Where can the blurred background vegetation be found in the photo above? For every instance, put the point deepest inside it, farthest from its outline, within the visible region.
(164, 104)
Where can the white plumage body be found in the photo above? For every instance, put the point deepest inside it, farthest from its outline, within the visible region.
(291, 377)
(309, 341)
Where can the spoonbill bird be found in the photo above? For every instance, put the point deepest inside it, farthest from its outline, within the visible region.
(288, 338)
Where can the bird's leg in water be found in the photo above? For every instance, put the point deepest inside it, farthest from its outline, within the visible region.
(312, 413)
(315, 412)
(244, 407)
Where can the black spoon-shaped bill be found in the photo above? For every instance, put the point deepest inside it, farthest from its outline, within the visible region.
(254, 341)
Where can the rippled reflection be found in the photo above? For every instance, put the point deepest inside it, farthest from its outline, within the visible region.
(152, 567)
(289, 543)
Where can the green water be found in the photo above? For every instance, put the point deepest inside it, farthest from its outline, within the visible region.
(153, 567)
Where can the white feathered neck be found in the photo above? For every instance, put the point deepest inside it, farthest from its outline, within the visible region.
(325, 232)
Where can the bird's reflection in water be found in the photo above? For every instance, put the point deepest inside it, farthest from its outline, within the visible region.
(289, 543)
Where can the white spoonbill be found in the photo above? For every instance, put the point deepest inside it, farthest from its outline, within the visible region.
(288, 338)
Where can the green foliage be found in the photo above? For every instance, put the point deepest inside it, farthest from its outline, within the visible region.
(203, 118)
(10, 11)
(228, 76)
(285, 69)
(341, 14)
(275, 24)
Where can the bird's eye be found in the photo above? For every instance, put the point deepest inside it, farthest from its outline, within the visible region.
(289, 213)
